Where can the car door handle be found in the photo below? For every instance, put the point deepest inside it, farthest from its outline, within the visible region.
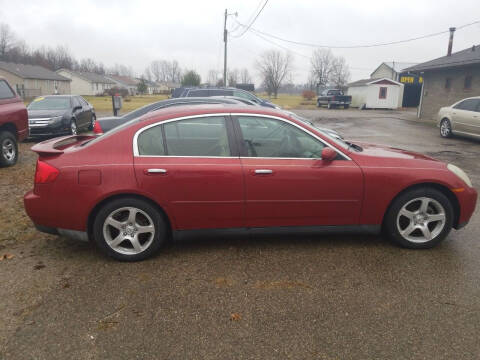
(155, 171)
(263, 171)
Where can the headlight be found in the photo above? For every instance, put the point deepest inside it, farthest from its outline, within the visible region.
(55, 119)
(460, 173)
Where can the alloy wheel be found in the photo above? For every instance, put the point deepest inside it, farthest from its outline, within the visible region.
(421, 220)
(8, 150)
(128, 230)
(73, 128)
(445, 128)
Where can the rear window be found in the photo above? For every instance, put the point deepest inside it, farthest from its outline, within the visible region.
(5, 90)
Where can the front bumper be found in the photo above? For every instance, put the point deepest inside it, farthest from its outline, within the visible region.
(48, 129)
(468, 201)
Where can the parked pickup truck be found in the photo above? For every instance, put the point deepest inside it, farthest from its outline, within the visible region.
(333, 98)
(13, 124)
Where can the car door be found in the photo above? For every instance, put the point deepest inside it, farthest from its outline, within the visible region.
(87, 109)
(470, 116)
(191, 166)
(287, 183)
(463, 115)
(79, 112)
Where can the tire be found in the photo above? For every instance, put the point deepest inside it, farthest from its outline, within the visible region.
(73, 127)
(319, 105)
(92, 122)
(117, 226)
(419, 218)
(8, 149)
(445, 128)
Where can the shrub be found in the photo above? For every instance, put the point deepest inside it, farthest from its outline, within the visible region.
(308, 94)
(116, 90)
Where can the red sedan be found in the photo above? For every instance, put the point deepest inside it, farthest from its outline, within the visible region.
(228, 169)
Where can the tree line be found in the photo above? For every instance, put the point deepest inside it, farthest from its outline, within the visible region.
(276, 68)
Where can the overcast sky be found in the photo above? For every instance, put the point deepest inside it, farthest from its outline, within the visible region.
(134, 33)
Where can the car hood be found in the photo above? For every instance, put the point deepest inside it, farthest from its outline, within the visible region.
(36, 114)
(386, 152)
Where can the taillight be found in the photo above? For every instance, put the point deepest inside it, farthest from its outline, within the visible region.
(97, 129)
(45, 173)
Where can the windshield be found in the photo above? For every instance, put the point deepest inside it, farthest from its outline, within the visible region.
(50, 103)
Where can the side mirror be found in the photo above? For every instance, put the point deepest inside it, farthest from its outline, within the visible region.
(328, 154)
(77, 108)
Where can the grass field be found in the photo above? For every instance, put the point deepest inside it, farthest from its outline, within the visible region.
(103, 104)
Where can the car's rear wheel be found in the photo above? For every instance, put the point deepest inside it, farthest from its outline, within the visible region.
(8, 149)
(129, 229)
(419, 218)
(92, 122)
(445, 128)
(73, 127)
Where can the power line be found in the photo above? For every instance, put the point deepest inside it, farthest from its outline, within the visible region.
(354, 46)
(247, 27)
(249, 19)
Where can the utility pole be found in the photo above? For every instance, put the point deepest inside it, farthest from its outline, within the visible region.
(225, 36)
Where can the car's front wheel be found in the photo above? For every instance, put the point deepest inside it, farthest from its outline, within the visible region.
(92, 122)
(129, 229)
(445, 128)
(420, 218)
(73, 127)
(8, 149)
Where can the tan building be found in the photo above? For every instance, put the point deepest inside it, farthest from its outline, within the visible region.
(33, 80)
(448, 79)
(86, 83)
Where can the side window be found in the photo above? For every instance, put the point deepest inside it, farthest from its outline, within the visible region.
(150, 142)
(468, 105)
(5, 91)
(206, 136)
(265, 137)
(76, 102)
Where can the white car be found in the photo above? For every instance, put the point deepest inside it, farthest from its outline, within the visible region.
(462, 118)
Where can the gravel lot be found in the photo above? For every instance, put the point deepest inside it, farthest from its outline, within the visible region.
(331, 297)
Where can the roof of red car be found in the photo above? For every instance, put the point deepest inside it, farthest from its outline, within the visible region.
(189, 110)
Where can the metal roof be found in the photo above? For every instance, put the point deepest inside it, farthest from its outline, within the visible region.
(469, 56)
(31, 71)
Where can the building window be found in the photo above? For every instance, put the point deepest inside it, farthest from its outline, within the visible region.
(448, 83)
(382, 94)
(468, 82)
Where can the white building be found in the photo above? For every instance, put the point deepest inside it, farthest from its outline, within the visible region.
(125, 82)
(376, 94)
(390, 70)
(85, 83)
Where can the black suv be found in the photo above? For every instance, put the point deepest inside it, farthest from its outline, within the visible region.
(59, 114)
(207, 92)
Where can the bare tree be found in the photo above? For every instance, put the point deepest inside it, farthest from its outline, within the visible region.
(212, 77)
(7, 40)
(340, 72)
(245, 76)
(155, 69)
(274, 66)
(322, 63)
(232, 77)
(148, 74)
(166, 71)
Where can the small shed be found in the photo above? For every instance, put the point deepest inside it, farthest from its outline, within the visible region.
(376, 93)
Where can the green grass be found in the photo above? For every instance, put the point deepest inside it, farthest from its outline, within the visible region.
(287, 101)
(104, 103)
